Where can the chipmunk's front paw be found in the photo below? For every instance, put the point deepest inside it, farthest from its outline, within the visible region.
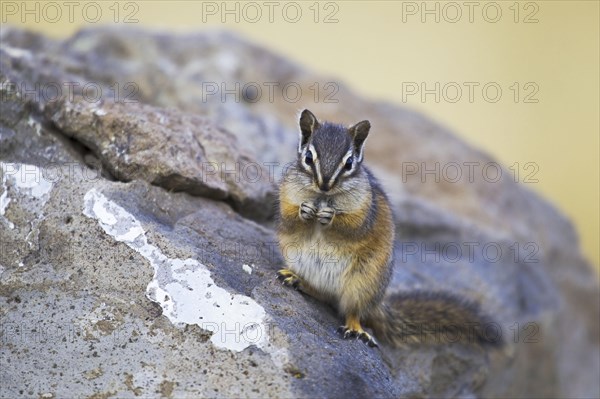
(307, 211)
(288, 278)
(364, 336)
(325, 216)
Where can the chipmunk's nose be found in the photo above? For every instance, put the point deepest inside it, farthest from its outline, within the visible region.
(325, 186)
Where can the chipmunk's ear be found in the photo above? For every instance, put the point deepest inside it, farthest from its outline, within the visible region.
(308, 124)
(359, 133)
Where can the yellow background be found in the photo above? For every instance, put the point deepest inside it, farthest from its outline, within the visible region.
(374, 47)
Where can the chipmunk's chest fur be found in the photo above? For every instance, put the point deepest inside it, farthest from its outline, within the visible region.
(321, 261)
(319, 254)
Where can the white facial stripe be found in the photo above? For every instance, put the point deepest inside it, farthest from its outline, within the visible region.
(335, 174)
(303, 162)
(348, 155)
(341, 167)
(317, 164)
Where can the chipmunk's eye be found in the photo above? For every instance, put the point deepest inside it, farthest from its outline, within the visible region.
(309, 158)
(348, 164)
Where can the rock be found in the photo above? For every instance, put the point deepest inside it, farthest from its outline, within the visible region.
(115, 239)
(165, 147)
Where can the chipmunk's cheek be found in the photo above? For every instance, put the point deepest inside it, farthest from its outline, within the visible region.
(341, 185)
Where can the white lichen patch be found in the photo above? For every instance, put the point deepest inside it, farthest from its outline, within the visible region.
(99, 112)
(35, 124)
(4, 200)
(247, 268)
(26, 180)
(184, 288)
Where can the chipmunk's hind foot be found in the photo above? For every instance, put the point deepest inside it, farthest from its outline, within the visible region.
(289, 278)
(353, 329)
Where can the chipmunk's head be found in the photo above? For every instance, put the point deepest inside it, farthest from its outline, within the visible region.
(328, 152)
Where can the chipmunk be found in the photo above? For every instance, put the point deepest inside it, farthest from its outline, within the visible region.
(336, 232)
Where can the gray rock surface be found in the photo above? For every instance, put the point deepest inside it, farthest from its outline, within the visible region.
(115, 238)
(179, 152)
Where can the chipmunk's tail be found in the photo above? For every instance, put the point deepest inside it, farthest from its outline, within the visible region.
(432, 318)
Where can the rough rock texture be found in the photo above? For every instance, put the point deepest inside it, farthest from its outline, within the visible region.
(112, 219)
(179, 152)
